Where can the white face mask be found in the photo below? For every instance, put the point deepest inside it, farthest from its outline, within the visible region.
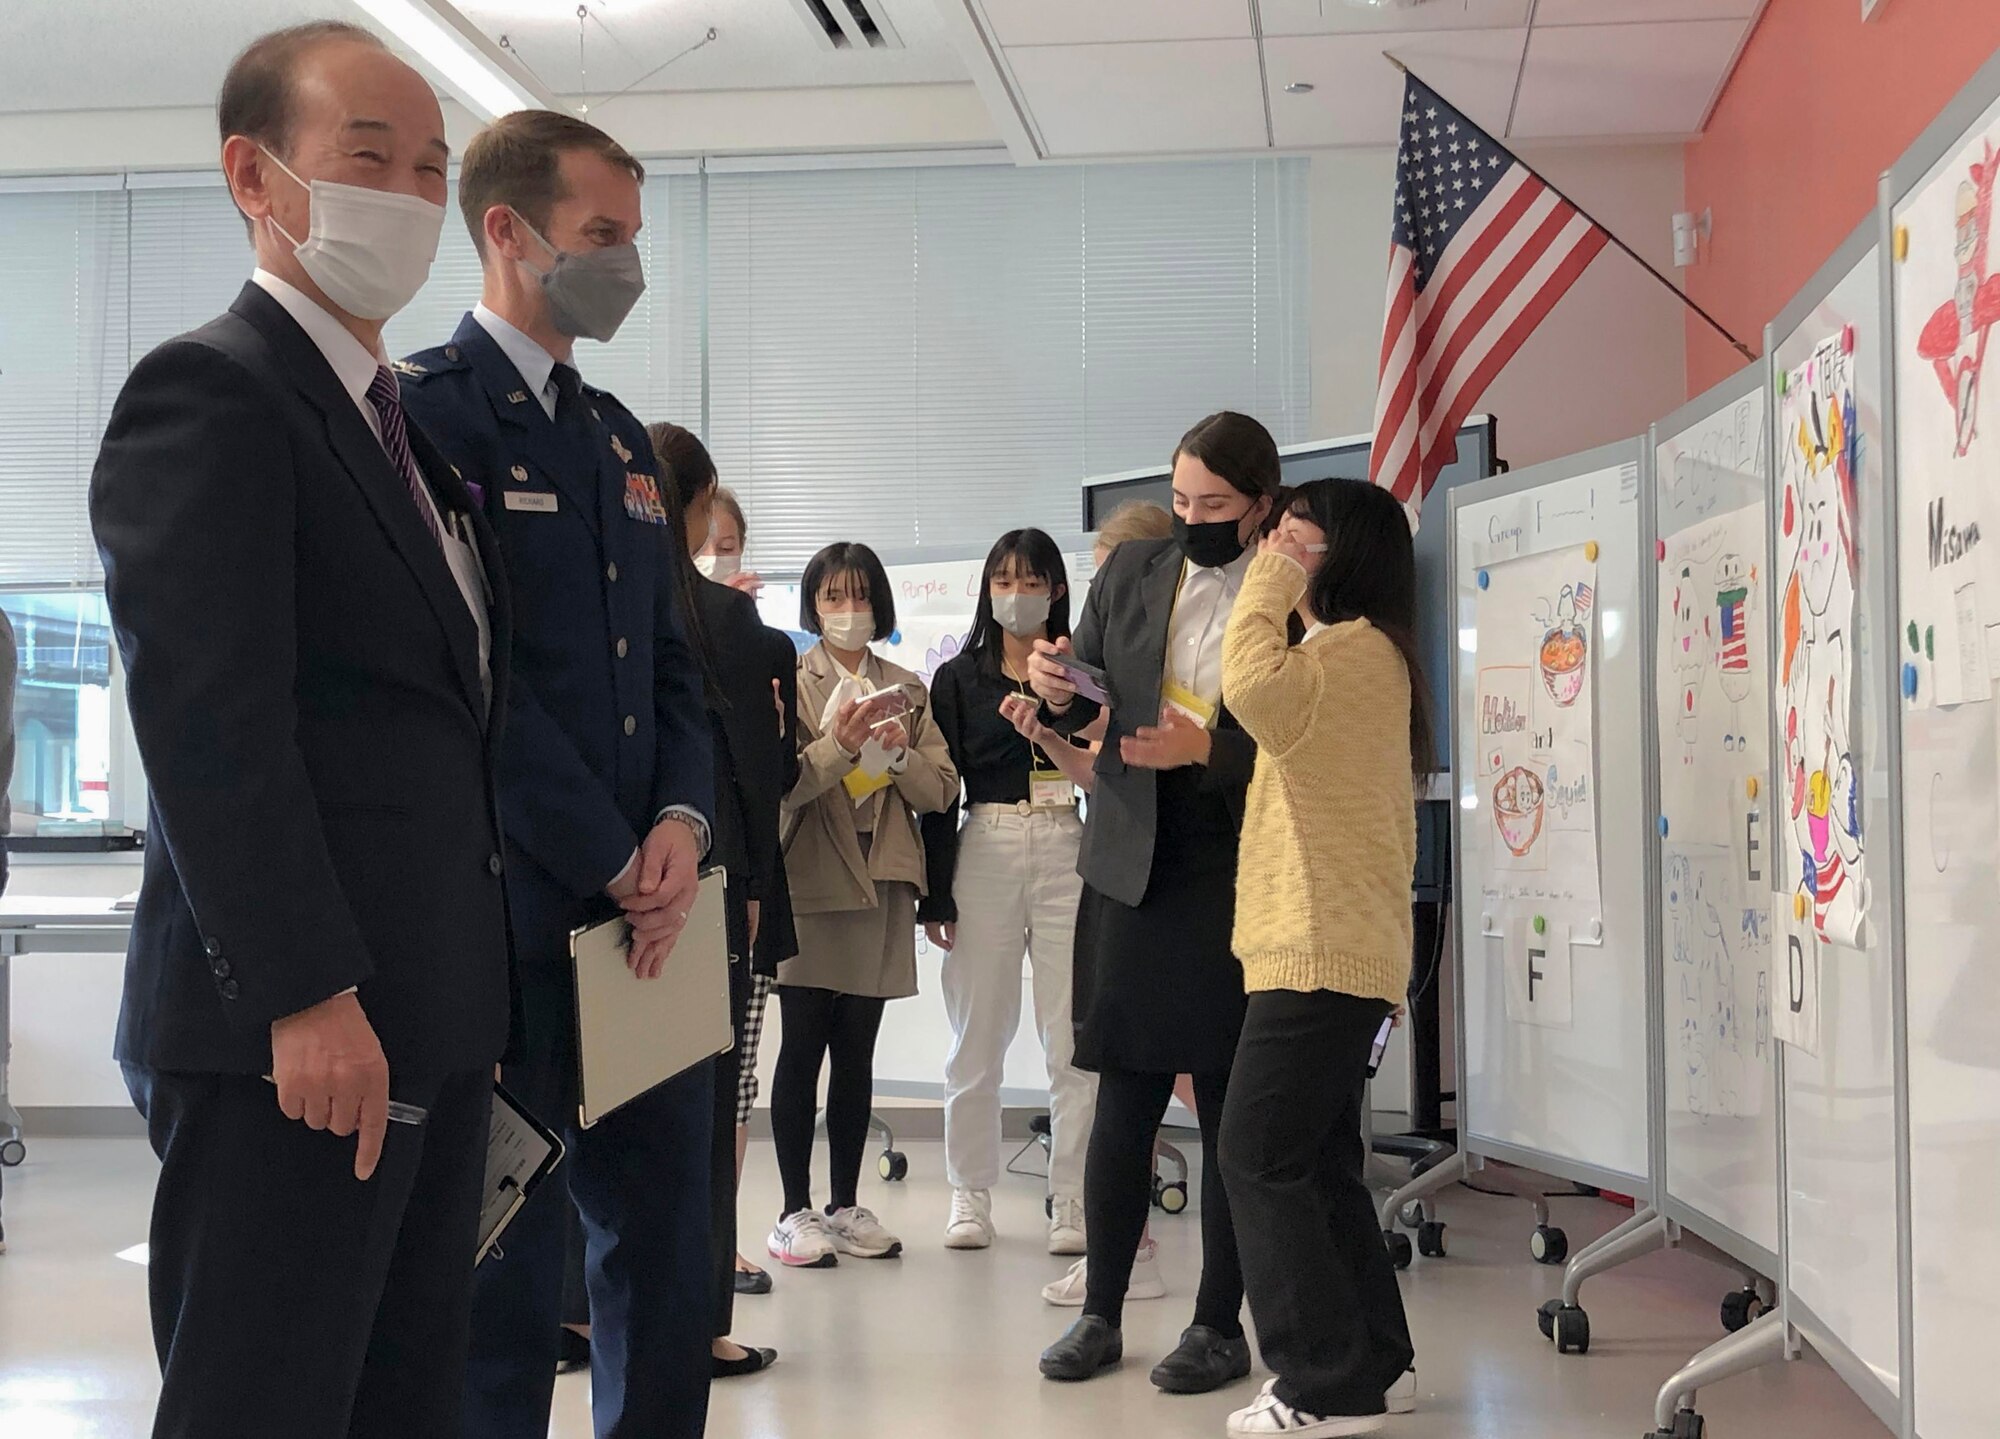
(719, 567)
(1021, 615)
(850, 631)
(369, 251)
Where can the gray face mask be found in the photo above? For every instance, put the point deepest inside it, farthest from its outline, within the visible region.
(590, 292)
(1021, 615)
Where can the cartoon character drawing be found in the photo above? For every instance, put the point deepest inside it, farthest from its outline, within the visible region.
(1954, 338)
(1691, 644)
(1517, 810)
(1733, 579)
(1823, 805)
(1566, 643)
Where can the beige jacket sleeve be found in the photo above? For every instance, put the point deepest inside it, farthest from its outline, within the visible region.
(928, 781)
(822, 765)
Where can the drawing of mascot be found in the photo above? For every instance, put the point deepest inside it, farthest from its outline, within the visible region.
(1733, 579)
(1690, 649)
(1954, 338)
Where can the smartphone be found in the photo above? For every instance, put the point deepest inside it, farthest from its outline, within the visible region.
(1090, 681)
(1381, 1046)
(893, 702)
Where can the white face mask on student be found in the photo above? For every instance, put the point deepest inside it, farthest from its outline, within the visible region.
(719, 567)
(848, 632)
(1022, 616)
(369, 251)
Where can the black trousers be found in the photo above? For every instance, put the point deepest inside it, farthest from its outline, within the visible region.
(819, 1023)
(1329, 1315)
(639, 1180)
(289, 1297)
(1118, 1192)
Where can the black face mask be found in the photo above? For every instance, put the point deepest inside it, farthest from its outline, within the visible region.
(1212, 545)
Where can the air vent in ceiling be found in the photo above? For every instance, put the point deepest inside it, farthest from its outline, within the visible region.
(849, 24)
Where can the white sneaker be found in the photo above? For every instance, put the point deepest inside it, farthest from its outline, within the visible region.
(1068, 1292)
(801, 1242)
(1401, 1397)
(858, 1233)
(1272, 1415)
(971, 1222)
(1066, 1227)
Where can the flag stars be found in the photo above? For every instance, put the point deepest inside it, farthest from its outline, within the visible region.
(1459, 203)
(1452, 127)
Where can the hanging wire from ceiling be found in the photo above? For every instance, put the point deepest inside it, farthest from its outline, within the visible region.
(585, 17)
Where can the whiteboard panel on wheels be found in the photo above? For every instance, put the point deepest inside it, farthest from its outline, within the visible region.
(1712, 697)
(1552, 879)
(1947, 425)
(1840, 1118)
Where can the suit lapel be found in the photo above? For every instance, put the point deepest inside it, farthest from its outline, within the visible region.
(368, 464)
(1158, 586)
(526, 425)
(455, 496)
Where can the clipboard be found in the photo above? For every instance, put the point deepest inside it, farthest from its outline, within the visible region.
(633, 1034)
(521, 1152)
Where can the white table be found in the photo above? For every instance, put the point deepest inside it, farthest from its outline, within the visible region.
(31, 924)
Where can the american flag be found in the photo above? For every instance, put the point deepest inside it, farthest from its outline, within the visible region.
(1481, 249)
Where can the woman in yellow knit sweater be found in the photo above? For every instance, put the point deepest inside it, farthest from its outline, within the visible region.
(1329, 843)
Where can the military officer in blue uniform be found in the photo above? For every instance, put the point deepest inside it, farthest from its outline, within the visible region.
(606, 777)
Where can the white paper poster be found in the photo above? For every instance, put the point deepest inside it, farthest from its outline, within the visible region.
(1538, 974)
(1813, 682)
(1795, 1016)
(1948, 298)
(1718, 984)
(1536, 716)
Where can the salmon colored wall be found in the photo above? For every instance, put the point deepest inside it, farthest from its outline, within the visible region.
(1819, 105)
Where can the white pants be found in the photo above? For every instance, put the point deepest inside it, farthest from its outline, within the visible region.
(1016, 888)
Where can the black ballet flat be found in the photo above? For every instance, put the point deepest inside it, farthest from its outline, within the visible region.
(753, 1281)
(754, 1361)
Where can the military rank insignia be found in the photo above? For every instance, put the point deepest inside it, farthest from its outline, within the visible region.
(642, 498)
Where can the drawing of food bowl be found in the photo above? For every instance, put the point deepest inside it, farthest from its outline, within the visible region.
(1517, 809)
(1562, 655)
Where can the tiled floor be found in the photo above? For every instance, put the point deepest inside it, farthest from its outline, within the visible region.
(942, 1346)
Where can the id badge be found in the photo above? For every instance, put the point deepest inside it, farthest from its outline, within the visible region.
(1050, 789)
(1176, 696)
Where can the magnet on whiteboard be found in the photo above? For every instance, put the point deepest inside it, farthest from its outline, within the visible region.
(1902, 242)
(1590, 550)
(1660, 551)
(1784, 381)
(1663, 826)
(1798, 906)
(1541, 925)
(1484, 579)
(1847, 339)
(1597, 929)
(1909, 681)
(1750, 786)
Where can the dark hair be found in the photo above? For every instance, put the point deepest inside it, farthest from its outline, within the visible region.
(1281, 504)
(855, 561)
(675, 497)
(1369, 571)
(260, 92)
(1236, 448)
(684, 459)
(1034, 553)
(517, 162)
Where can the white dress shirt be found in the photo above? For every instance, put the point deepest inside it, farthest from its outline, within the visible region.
(355, 368)
(536, 365)
(1201, 618)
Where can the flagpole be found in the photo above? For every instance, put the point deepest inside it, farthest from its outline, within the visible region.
(1637, 258)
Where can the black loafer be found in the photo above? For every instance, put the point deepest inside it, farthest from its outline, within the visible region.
(1204, 1362)
(752, 1281)
(754, 1361)
(1091, 1347)
(574, 1354)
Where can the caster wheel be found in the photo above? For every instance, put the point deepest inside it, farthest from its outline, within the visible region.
(1430, 1239)
(1740, 1308)
(893, 1166)
(1549, 1245)
(1572, 1331)
(1174, 1197)
(12, 1153)
(1687, 1425)
(1411, 1215)
(1399, 1248)
(1545, 1317)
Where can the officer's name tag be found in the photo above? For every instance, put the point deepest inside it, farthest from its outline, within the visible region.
(540, 504)
(1050, 789)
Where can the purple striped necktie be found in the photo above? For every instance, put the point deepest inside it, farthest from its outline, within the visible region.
(387, 398)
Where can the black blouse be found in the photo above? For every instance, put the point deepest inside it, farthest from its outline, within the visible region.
(993, 764)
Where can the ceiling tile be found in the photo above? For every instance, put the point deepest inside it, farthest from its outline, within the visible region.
(1599, 80)
(1621, 12)
(1165, 97)
(1357, 94)
(1338, 17)
(1098, 22)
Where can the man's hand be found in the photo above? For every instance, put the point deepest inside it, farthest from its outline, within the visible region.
(944, 936)
(668, 873)
(1174, 742)
(1047, 678)
(331, 1073)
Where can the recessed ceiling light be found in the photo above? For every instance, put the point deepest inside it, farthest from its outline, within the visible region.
(1299, 87)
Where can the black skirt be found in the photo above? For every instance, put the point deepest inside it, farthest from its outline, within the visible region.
(1158, 989)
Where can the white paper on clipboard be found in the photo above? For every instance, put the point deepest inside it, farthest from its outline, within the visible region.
(635, 1034)
(520, 1153)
